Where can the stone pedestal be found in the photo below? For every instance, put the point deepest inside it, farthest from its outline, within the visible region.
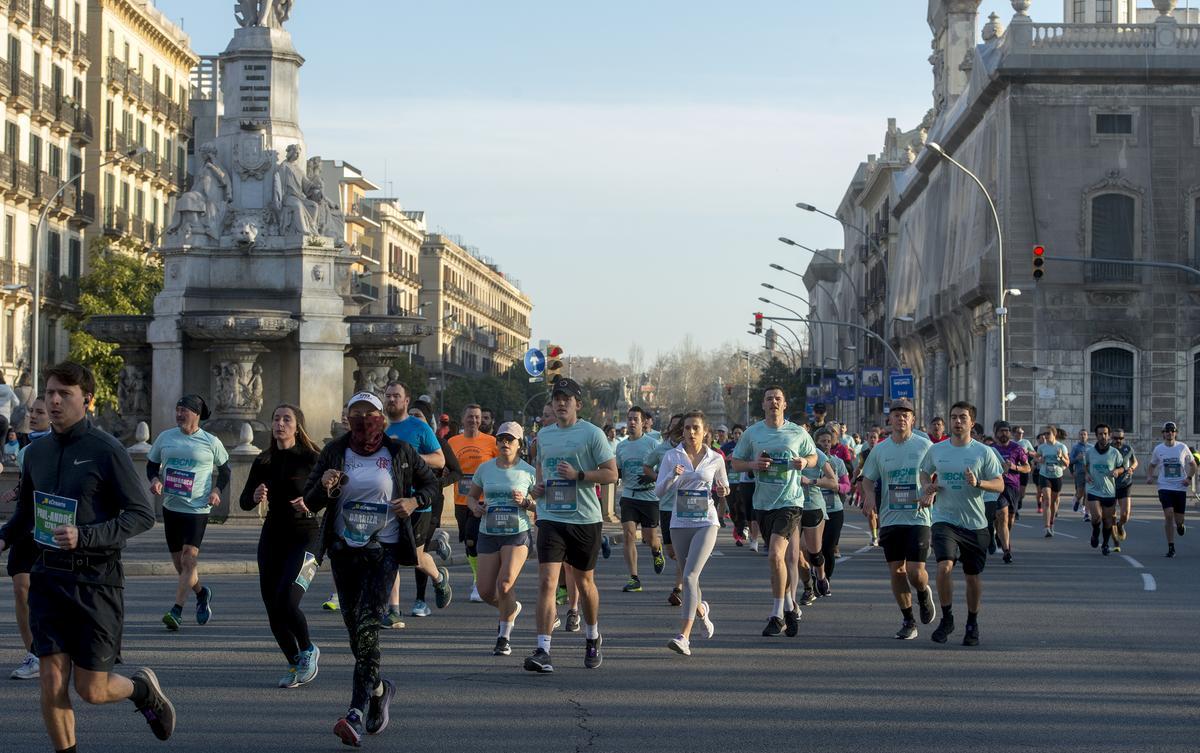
(133, 388)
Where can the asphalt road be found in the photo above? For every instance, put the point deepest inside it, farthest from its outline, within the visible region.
(1077, 654)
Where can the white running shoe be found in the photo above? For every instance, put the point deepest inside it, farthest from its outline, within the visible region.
(754, 546)
(705, 619)
(475, 597)
(30, 669)
(680, 645)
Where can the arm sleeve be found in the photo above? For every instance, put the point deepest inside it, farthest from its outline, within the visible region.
(137, 511)
(453, 470)
(253, 479)
(870, 469)
(224, 475)
(722, 477)
(152, 470)
(602, 451)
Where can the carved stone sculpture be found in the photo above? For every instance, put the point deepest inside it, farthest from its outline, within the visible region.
(270, 13)
(330, 220)
(294, 209)
(204, 209)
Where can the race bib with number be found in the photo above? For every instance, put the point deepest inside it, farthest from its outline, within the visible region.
(308, 571)
(781, 465)
(691, 504)
(1172, 469)
(49, 512)
(502, 520)
(362, 520)
(562, 495)
(902, 496)
(464, 484)
(179, 482)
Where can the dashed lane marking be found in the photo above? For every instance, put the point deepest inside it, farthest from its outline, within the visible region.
(1148, 583)
(1136, 565)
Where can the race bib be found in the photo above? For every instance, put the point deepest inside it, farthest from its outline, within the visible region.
(49, 512)
(691, 504)
(902, 496)
(308, 571)
(502, 520)
(179, 482)
(464, 484)
(362, 520)
(781, 466)
(1172, 469)
(562, 495)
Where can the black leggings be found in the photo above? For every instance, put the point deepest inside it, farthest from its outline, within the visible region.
(830, 539)
(280, 554)
(364, 580)
(741, 507)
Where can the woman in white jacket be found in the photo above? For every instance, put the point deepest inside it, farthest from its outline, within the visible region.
(688, 476)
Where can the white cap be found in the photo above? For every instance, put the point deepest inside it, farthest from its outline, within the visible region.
(365, 397)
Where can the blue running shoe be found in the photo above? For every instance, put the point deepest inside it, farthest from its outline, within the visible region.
(203, 606)
(306, 665)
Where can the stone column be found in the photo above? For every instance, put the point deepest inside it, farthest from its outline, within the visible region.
(237, 382)
(374, 368)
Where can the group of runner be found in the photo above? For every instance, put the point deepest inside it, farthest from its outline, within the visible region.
(369, 503)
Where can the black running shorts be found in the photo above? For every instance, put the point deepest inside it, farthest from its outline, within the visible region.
(639, 512)
(1173, 500)
(21, 557)
(905, 543)
(184, 529)
(83, 621)
(1008, 498)
(812, 518)
(576, 544)
(1053, 484)
(779, 522)
(960, 545)
(422, 526)
(1104, 501)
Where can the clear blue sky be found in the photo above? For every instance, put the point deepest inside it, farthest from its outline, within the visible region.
(630, 162)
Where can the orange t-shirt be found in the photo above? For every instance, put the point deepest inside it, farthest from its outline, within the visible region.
(471, 454)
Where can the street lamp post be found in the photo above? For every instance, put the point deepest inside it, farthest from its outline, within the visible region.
(811, 339)
(1001, 311)
(35, 318)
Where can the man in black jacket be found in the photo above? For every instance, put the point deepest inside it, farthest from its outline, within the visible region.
(82, 500)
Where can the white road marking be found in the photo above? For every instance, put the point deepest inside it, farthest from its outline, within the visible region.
(1148, 583)
(851, 525)
(1022, 525)
(840, 560)
(866, 548)
(1136, 565)
(1069, 536)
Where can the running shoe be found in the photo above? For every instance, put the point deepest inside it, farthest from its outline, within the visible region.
(442, 591)
(306, 665)
(1116, 547)
(441, 544)
(289, 680)
(754, 546)
(592, 657)
(926, 605)
(1039, 508)
(377, 710)
(503, 647)
(560, 595)
(29, 669)
(633, 585)
(173, 619)
(992, 546)
(1170, 550)
(392, 620)
(706, 620)
(907, 631)
(1095, 539)
(774, 627)
(875, 539)
(791, 623)
(605, 547)
(660, 562)
(1075, 506)
(680, 645)
(971, 636)
(1087, 517)
(420, 609)
(557, 623)
(475, 598)
(539, 661)
(1179, 529)
(1104, 550)
(1007, 557)
(807, 597)
(572, 621)
(745, 534)
(944, 629)
(332, 604)
(349, 729)
(1121, 532)
(157, 709)
(1049, 534)
(823, 588)
(673, 599)
(203, 605)
(737, 539)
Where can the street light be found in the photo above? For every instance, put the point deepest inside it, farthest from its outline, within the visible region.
(35, 319)
(802, 299)
(1001, 312)
(836, 264)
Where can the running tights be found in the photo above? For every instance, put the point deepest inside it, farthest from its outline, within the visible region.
(830, 539)
(695, 545)
(280, 554)
(364, 581)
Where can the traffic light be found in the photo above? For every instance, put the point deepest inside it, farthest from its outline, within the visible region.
(554, 364)
(1039, 263)
(758, 322)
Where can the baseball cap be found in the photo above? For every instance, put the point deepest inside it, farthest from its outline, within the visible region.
(425, 399)
(568, 387)
(902, 403)
(512, 429)
(1001, 425)
(365, 397)
(723, 428)
(1169, 426)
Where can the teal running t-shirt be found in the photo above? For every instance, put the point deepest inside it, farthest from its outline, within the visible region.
(503, 516)
(631, 456)
(958, 503)
(895, 467)
(1052, 466)
(778, 486)
(187, 462)
(1100, 468)
(584, 447)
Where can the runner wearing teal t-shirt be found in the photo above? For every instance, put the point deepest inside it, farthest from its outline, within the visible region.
(777, 451)
(666, 505)
(1052, 458)
(1105, 465)
(954, 476)
(639, 506)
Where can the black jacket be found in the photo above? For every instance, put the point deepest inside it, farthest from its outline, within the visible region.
(286, 477)
(409, 472)
(90, 466)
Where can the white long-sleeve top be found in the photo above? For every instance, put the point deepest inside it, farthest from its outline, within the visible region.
(703, 477)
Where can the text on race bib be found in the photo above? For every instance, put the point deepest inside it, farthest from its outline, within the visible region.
(902, 496)
(362, 520)
(691, 504)
(502, 520)
(49, 512)
(179, 482)
(464, 484)
(562, 495)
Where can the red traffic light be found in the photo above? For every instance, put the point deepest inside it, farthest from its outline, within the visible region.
(758, 319)
(554, 351)
(1039, 262)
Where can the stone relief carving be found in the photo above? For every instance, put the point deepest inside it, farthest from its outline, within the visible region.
(270, 13)
(1111, 297)
(238, 389)
(204, 209)
(938, 60)
(293, 208)
(251, 159)
(330, 220)
(133, 392)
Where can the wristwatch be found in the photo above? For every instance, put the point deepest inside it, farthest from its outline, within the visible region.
(582, 473)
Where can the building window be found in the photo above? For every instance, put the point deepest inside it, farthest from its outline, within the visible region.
(74, 258)
(1114, 123)
(1078, 15)
(1112, 388)
(10, 336)
(1104, 11)
(54, 255)
(10, 237)
(1113, 235)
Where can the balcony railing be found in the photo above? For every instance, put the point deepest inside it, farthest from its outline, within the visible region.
(20, 12)
(82, 130)
(13, 273)
(7, 179)
(62, 34)
(43, 21)
(81, 46)
(22, 86)
(60, 288)
(24, 179)
(85, 209)
(5, 78)
(116, 71)
(1120, 273)
(116, 221)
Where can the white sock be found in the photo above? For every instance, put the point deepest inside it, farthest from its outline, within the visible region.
(591, 632)
(544, 643)
(506, 629)
(777, 609)
(788, 603)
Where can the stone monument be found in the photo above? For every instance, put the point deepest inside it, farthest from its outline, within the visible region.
(256, 307)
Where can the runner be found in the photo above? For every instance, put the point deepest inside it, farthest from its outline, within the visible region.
(937, 430)
(834, 504)
(639, 505)
(23, 551)
(425, 532)
(816, 480)
(1175, 467)
(487, 420)
(1054, 460)
(83, 500)
(689, 474)
(1015, 463)
(1104, 465)
(289, 538)
(955, 474)
(872, 515)
(181, 466)
(1124, 485)
(650, 468)
(1018, 435)
(362, 481)
(777, 451)
(500, 493)
(904, 531)
(573, 457)
(1035, 476)
(1078, 468)
(650, 430)
(472, 448)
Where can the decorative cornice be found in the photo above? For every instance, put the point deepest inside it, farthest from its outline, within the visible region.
(177, 49)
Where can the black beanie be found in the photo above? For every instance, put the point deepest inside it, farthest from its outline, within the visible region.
(195, 404)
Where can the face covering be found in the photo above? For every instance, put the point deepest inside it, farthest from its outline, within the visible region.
(366, 433)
